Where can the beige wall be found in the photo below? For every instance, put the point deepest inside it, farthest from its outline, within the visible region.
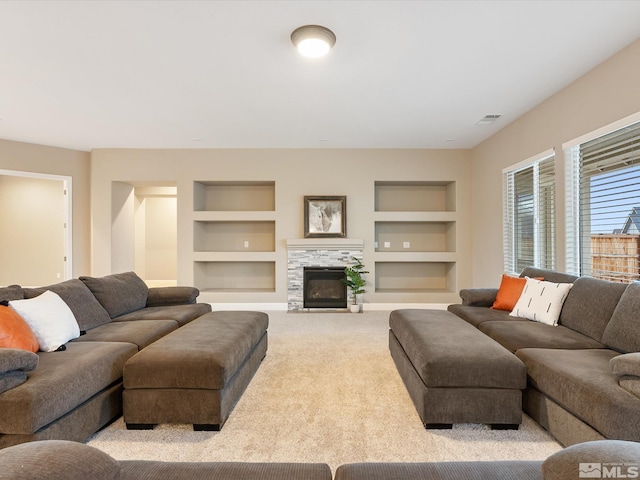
(296, 173)
(607, 94)
(26, 157)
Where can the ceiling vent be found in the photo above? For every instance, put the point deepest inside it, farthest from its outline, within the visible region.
(489, 119)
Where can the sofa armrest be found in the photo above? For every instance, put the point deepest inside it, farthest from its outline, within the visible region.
(626, 367)
(14, 364)
(165, 296)
(478, 297)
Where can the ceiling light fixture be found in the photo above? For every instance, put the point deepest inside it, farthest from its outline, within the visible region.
(313, 40)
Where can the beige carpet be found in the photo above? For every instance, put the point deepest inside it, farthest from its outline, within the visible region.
(327, 391)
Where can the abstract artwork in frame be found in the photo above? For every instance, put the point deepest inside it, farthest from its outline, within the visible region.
(325, 216)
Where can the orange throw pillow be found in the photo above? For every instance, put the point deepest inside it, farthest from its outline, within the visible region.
(14, 331)
(509, 292)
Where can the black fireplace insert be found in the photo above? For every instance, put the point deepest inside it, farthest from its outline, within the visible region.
(323, 287)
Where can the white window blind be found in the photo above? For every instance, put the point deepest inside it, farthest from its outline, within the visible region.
(529, 216)
(603, 210)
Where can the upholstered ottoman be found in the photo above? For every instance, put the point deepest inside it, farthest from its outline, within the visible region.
(195, 374)
(454, 373)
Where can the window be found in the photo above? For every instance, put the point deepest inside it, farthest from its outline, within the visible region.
(604, 206)
(529, 215)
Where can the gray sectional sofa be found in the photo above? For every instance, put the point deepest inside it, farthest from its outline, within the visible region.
(65, 460)
(71, 394)
(583, 375)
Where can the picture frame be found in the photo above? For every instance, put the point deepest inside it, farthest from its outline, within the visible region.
(325, 216)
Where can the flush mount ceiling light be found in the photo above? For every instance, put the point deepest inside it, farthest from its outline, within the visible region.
(313, 40)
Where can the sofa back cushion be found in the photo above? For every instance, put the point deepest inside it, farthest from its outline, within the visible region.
(548, 275)
(623, 330)
(87, 310)
(590, 305)
(119, 293)
(12, 292)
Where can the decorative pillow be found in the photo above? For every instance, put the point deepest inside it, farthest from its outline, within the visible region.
(509, 292)
(119, 293)
(87, 310)
(50, 319)
(59, 459)
(541, 301)
(14, 331)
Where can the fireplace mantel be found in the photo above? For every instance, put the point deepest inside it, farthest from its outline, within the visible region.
(325, 244)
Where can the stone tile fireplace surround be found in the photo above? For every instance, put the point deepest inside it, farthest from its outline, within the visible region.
(316, 252)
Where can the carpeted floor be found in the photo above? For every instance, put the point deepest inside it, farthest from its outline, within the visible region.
(327, 391)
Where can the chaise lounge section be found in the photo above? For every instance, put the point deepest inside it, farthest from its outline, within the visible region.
(583, 375)
(71, 393)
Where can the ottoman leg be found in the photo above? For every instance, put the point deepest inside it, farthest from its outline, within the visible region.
(438, 426)
(140, 426)
(206, 427)
(504, 426)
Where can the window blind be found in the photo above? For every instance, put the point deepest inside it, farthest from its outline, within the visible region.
(529, 216)
(604, 206)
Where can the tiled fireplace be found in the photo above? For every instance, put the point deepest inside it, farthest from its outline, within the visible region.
(316, 252)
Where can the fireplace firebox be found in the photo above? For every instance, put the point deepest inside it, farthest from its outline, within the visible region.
(323, 287)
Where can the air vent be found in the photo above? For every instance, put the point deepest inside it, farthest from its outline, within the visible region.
(489, 119)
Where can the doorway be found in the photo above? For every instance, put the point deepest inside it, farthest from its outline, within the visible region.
(35, 228)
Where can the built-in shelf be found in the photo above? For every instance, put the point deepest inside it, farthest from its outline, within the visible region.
(234, 276)
(415, 238)
(234, 237)
(234, 196)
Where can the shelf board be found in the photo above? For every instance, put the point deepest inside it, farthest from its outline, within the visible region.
(415, 216)
(233, 216)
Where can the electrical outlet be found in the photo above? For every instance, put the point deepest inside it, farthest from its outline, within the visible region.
(387, 244)
(246, 244)
(375, 244)
(406, 244)
(58, 275)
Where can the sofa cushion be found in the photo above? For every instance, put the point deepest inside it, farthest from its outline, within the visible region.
(141, 332)
(526, 334)
(153, 470)
(119, 293)
(586, 460)
(581, 382)
(590, 305)
(541, 301)
(622, 333)
(62, 381)
(15, 332)
(50, 319)
(627, 364)
(57, 459)
(471, 470)
(12, 292)
(87, 310)
(182, 314)
(478, 315)
(548, 275)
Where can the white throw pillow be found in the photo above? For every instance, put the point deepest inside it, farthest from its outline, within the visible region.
(541, 301)
(50, 319)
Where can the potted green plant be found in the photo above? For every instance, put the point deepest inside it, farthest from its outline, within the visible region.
(353, 279)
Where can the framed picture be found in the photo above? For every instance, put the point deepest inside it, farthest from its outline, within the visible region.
(325, 216)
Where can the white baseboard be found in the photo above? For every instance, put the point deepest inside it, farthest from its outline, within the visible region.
(284, 306)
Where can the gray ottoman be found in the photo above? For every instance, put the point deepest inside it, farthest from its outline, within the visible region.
(195, 374)
(454, 373)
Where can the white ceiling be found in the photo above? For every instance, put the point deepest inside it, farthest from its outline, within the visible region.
(224, 74)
